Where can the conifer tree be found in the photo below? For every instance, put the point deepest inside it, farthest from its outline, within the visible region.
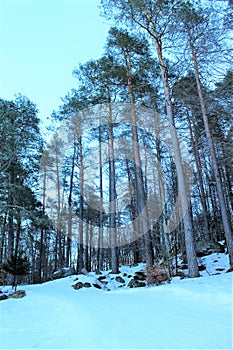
(17, 265)
(154, 17)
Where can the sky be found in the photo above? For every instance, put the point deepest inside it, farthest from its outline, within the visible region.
(41, 42)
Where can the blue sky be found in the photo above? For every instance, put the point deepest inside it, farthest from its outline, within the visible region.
(41, 41)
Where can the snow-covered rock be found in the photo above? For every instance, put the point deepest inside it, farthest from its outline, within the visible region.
(204, 248)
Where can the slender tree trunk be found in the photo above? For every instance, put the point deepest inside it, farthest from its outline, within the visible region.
(100, 233)
(86, 251)
(200, 180)
(223, 208)
(69, 236)
(3, 239)
(81, 217)
(166, 247)
(42, 252)
(58, 229)
(136, 243)
(112, 196)
(188, 228)
(11, 236)
(141, 195)
(230, 188)
(187, 220)
(18, 232)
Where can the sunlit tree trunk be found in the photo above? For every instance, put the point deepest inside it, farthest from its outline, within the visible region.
(70, 214)
(187, 220)
(81, 213)
(112, 196)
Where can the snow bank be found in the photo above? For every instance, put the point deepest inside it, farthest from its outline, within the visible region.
(185, 314)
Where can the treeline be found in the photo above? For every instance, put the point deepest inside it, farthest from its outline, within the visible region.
(141, 162)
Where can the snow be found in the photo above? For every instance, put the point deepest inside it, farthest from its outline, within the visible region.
(185, 314)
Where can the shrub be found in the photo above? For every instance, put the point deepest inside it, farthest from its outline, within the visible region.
(158, 274)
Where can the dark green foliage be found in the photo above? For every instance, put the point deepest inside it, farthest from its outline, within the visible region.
(17, 265)
(147, 37)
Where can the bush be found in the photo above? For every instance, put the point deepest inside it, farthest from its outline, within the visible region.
(158, 274)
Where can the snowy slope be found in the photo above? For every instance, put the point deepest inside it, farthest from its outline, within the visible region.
(185, 314)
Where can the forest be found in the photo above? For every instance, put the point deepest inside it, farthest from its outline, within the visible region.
(137, 164)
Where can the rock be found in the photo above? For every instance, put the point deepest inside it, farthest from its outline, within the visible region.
(120, 279)
(101, 278)
(18, 294)
(3, 296)
(131, 283)
(87, 285)
(78, 285)
(134, 283)
(229, 270)
(101, 285)
(201, 268)
(104, 282)
(140, 275)
(204, 248)
(124, 274)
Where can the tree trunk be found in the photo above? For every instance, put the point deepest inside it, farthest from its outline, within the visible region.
(112, 197)
(187, 220)
(3, 236)
(200, 180)
(69, 236)
(11, 236)
(42, 252)
(100, 233)
(223, 208)
(141, 195)
(81, 217)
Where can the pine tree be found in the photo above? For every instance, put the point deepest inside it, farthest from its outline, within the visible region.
(17, 265)
(154, 17)
(194, 21)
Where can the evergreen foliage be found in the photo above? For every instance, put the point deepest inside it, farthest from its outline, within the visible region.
(172, 57)
(17, 265)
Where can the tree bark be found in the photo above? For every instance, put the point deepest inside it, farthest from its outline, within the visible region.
(187, 220)
(141, 195)
(112, 197)
(69, 236)
(200, 179)
(81, 217)
(223, 208)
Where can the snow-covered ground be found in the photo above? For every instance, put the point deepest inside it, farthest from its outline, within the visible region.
(185, 314)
